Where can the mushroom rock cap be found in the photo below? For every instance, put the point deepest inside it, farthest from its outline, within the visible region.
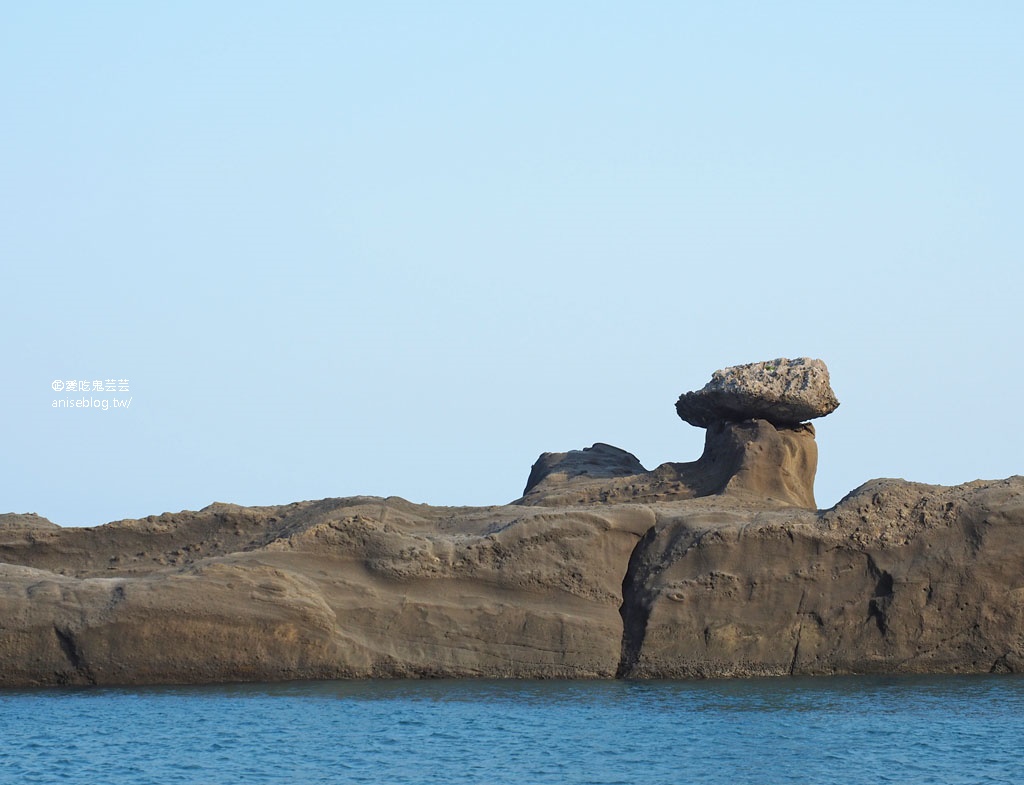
(784, 392)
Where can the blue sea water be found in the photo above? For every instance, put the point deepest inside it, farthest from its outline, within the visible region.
(846, 731)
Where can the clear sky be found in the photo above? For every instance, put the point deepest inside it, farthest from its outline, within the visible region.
(403, 248)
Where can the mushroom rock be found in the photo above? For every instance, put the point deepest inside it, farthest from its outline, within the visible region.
(757, 442)
(757, 445)
(783, 392)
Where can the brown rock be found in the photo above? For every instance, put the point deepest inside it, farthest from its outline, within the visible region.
(897, 578)
(338, 588)
(717, 567)
(25, 520)
(753, 459)
(597, 462)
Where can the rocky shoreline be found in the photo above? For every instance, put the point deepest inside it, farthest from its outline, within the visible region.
(718, 567)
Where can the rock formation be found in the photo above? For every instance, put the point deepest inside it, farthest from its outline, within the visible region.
(26, 521)
(784, 392)
(752, 458)
(756, 445)
(718, 567)
(896, 578)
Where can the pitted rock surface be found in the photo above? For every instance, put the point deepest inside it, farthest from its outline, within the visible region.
(784, 392)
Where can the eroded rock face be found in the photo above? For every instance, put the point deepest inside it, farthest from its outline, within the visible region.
(27, 520)
(754, 459)
(360, 587)
(784, 392)
(896, 578)
(717, 567)
(598, 462)
(764, 461)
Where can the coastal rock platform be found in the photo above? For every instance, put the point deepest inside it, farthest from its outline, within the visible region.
(718, 567)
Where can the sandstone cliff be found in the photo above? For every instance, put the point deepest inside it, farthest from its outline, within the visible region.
(717, 567)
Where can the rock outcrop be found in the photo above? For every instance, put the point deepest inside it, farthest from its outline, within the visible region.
(897, 578)
(784, 392)
(28, 520)
(718, 567)
(775, 465)
(602, 461)
(359, 587)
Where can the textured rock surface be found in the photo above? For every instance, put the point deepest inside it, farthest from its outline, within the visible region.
(751, 459)
(28, 520)
(896, 578)
(597, 462)
(337, 588)
(718, 567)
(784, 392)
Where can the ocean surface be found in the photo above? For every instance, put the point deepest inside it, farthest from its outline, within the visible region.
(947, 730)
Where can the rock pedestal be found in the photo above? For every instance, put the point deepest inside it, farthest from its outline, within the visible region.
(757, 439)
(757, 445)
(760, 460)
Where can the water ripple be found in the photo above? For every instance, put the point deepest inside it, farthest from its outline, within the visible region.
(822, 731)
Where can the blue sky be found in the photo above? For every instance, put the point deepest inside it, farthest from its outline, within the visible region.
(403, 248)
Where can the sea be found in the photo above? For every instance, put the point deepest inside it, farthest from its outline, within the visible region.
(819, 731)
